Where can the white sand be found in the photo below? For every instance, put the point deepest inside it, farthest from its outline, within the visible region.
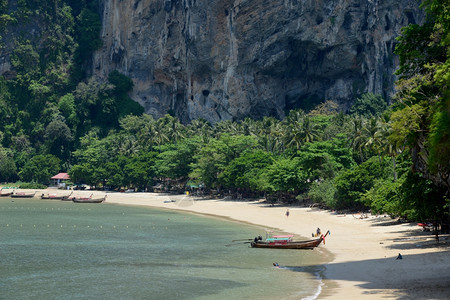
(365, 250)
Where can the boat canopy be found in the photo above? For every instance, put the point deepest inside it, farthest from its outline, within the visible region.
(278, 239)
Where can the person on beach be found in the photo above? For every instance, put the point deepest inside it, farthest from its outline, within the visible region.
(399, 256)
(287, 213)
(318, 232)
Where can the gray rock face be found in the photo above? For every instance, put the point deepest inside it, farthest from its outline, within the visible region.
(228, 59)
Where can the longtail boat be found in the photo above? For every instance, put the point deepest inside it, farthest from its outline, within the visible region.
(54, 196)
(2, 194)
(22, 195)
(287, 242)
(67, 197)
(88, 199)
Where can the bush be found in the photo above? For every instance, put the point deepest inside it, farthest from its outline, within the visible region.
(323, 192)
(31, 185)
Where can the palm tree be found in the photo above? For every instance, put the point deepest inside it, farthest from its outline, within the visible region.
(309, 130)
(175, 130)
(294, 134)
(200, 127)
(226, 126)
(128, 146)
(357, 136)
(160, 133)
(387, 146)
(374, 141)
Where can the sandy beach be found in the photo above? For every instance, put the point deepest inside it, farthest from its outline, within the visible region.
(364, 250)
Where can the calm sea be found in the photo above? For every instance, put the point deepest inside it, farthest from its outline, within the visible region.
(52, 249)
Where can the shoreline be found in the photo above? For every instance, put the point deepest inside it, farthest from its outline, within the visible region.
(364, 250)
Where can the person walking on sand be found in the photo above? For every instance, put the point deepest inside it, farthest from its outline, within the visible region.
(287, 213)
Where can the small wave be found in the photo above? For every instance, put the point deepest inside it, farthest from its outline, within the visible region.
(319, 289)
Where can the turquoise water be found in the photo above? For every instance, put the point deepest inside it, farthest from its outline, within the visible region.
(52, 249)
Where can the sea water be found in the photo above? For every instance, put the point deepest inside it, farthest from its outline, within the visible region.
(51, 249)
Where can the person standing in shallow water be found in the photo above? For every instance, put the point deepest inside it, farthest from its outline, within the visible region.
(287, 213)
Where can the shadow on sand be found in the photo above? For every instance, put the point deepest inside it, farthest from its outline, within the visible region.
(375, 275)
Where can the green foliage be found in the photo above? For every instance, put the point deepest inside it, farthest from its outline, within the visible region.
(83, 173)
(369, 105)
(352, 184)
(324, 159)
(285, 175)
(383, 197)
(323, 192)
(88, 33)
(66, 106)
(31, 185)
(421, 199)
(439, 138)
(175, 160)
(140, 170)
(40, 168)
(421, 115)
(244, 172)
(8, 168)
(122, 84)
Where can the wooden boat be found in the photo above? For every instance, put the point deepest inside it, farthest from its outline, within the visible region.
(54, 196)
(88, 199)
(286, 242)
(23, 195)
(67, 198)
(3, 194)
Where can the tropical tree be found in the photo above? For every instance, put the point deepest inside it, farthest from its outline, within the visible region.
(421, 116)
(369, 105)
(244, 171)
(352, 184)
(40, 168)
(175, 160)
(8, 168)
(285, 175)
(358, 138)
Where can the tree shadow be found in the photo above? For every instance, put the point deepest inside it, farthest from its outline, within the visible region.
(405, 276)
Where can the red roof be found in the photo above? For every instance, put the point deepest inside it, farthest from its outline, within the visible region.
(62, 176)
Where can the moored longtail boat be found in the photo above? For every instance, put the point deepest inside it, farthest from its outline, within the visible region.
(286, 242)
(3, 194)
(54, 196)
(88, 199)
(23, 195)
(67, 197)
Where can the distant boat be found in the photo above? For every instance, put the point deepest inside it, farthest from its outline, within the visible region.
(23, 195)
(67, 198)
(286, 242)
(2, 194)
(88, 199)
(54, 196)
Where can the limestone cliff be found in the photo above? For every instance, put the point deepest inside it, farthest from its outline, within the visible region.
(228, 59)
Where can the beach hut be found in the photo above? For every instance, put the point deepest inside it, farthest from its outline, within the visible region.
(60, 179)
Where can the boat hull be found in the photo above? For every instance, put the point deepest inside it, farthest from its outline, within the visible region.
(53, 197)
(81, 200)
(289, 245)
(21, 196)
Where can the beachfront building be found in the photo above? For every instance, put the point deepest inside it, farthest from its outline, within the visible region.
(60, 180)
